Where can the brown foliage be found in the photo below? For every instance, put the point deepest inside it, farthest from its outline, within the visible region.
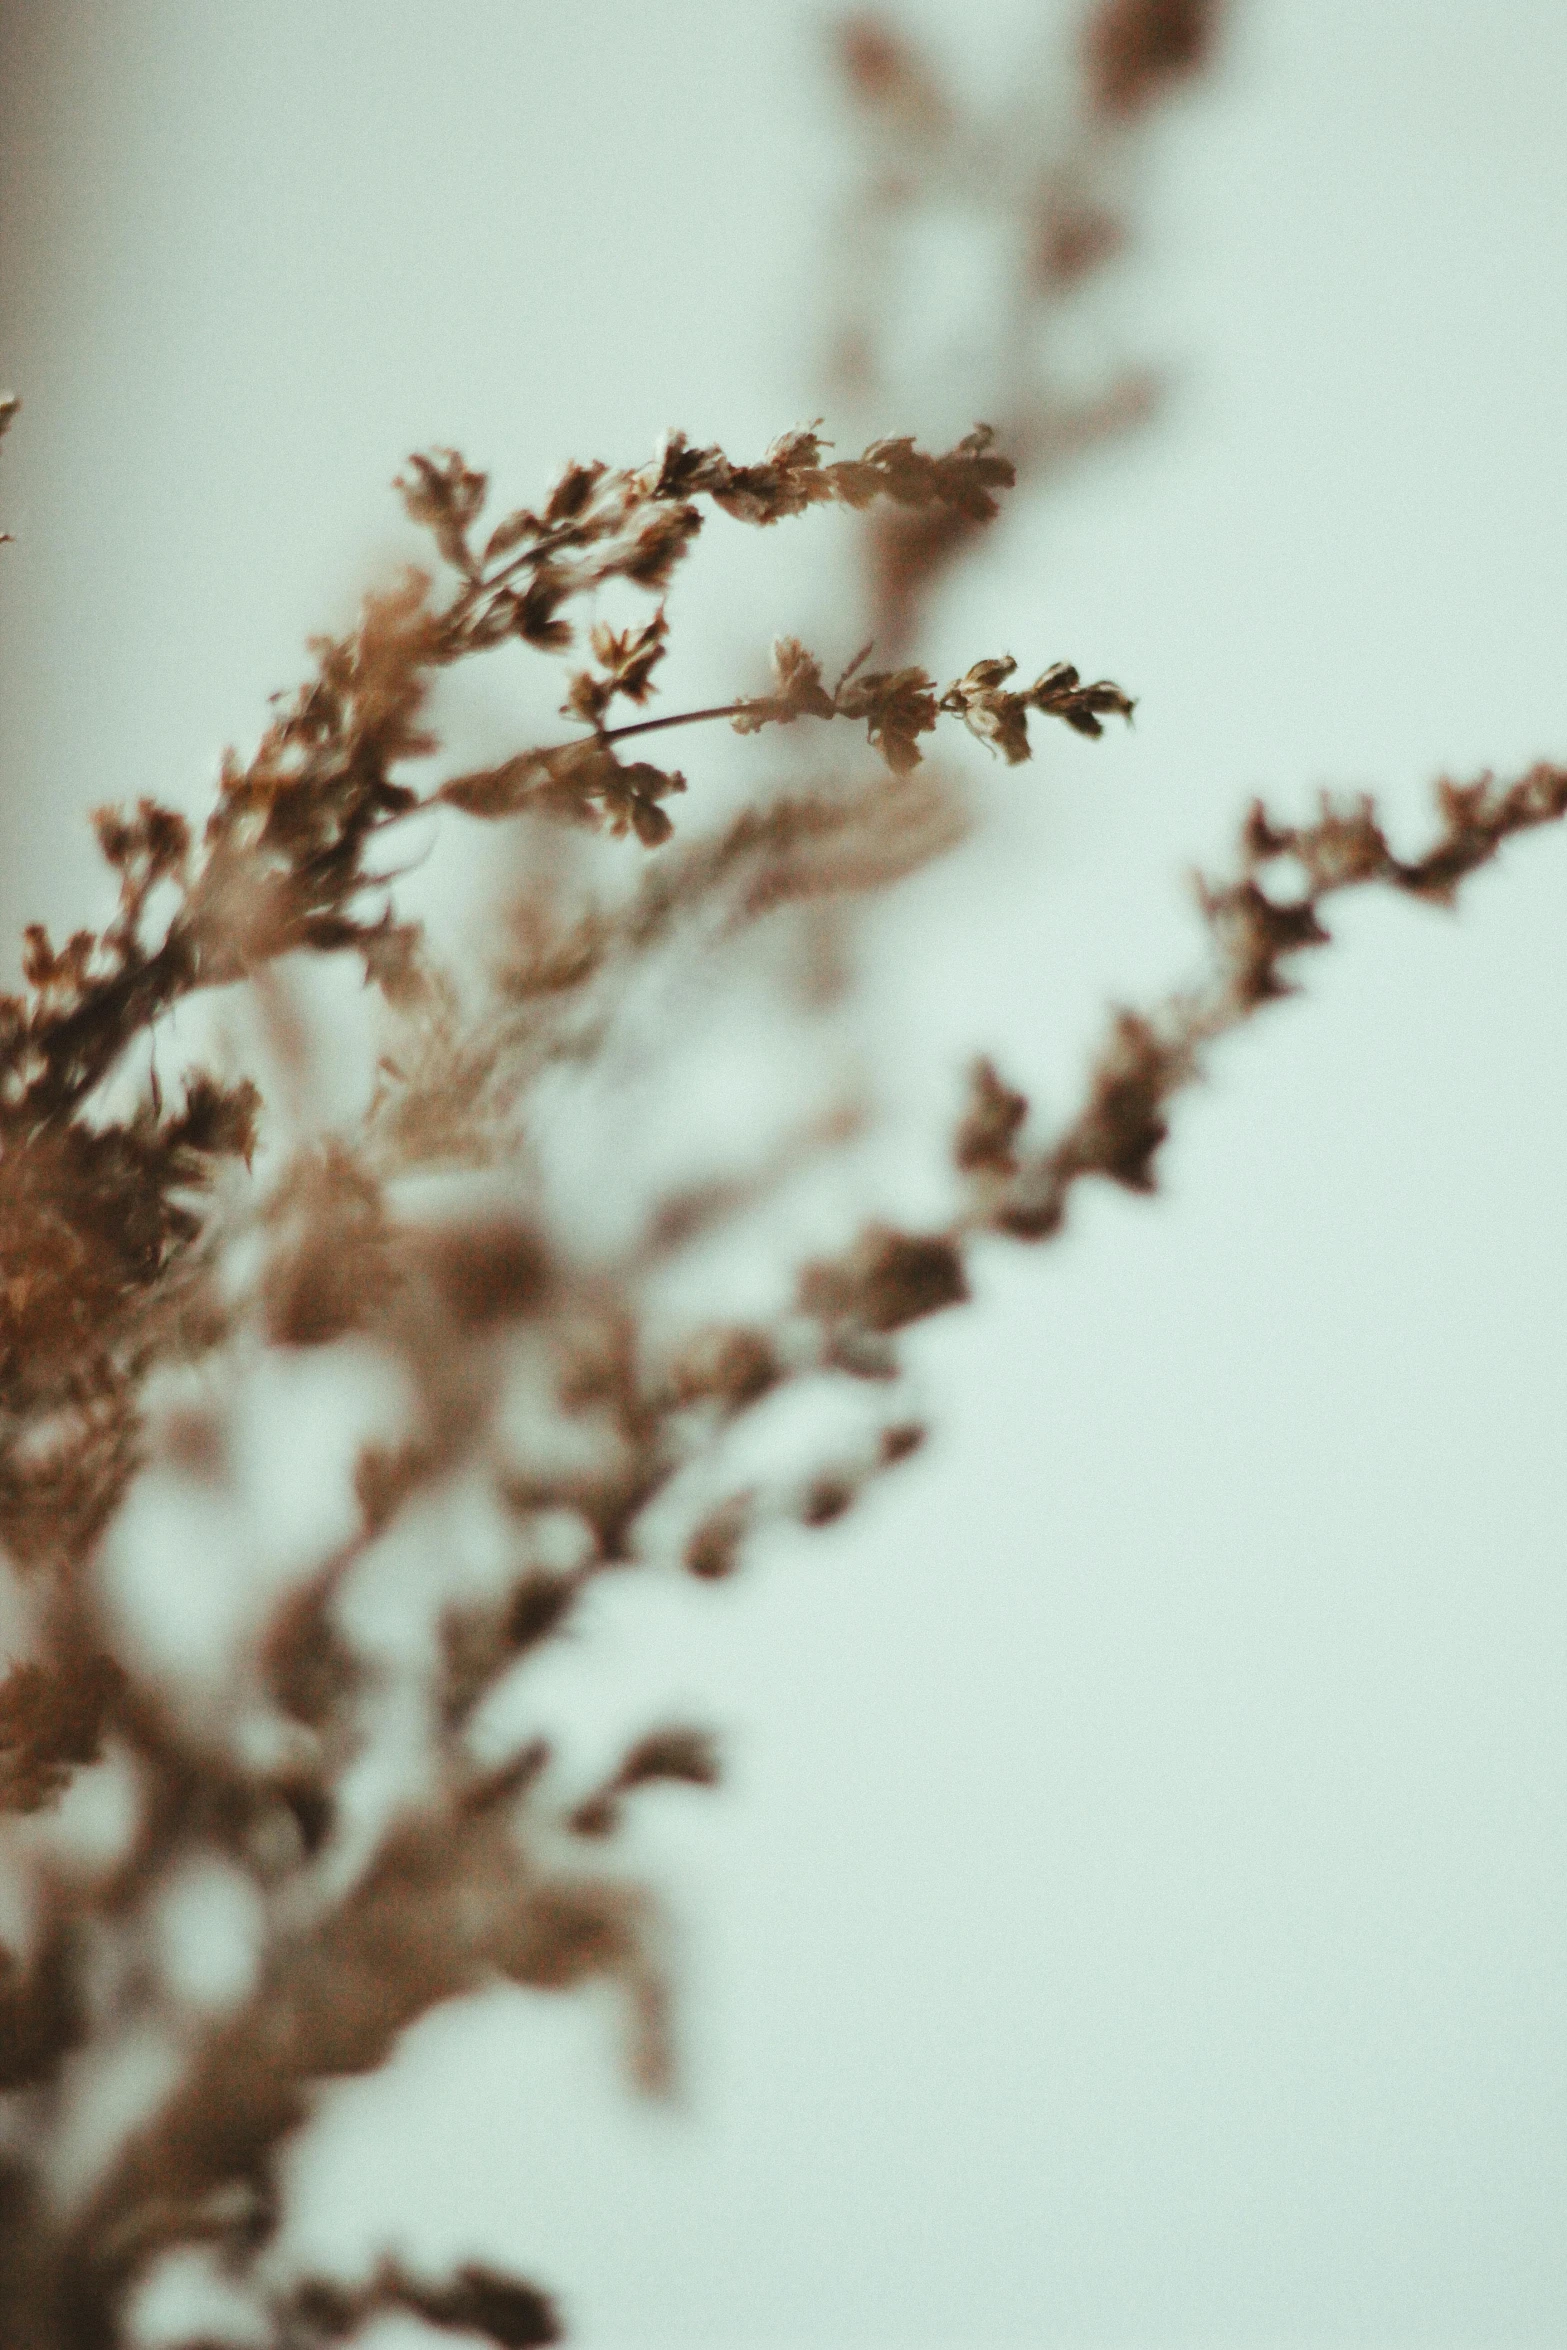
(137, 1244)
(133, 1244)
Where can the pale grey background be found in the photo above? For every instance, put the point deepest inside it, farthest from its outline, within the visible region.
(1137, 1916)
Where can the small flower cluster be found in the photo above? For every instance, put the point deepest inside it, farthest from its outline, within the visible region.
(899, 705)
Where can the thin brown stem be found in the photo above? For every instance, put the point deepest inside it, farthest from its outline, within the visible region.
(618, 734)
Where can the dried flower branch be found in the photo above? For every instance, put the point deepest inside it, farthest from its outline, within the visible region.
(1148, 1058)
(1052, 192)
(121, 1236)
(546, 1380)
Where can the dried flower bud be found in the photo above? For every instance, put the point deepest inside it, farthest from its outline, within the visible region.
(1058, 694)
(488, 1273)
(442, 493)
(713, 1550)
(826, 1498)
(571, 493)
(800, 691)
(733, 1367)
(1123, 1124)
(896, 705)
(888, 1279)
(478, 2301)
(52, 1721)
(1135, 49)
(990, 1124)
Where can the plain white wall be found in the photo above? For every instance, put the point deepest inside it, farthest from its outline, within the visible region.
(1137, 1914)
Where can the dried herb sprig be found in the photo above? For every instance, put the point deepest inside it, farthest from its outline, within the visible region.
(114, 1263)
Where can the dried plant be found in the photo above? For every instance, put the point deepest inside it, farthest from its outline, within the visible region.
(156, 1249)
(134, 1250)
(1046, 181)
